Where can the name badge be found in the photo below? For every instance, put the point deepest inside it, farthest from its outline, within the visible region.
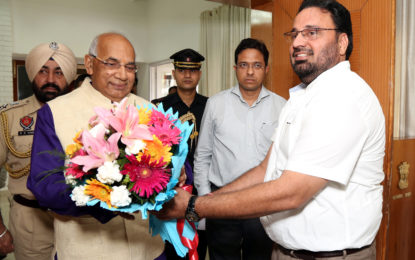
(30, 132)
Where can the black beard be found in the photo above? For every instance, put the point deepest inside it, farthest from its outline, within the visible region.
(307, 71)
(45, 96)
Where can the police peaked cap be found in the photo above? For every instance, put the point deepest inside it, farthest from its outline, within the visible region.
(187, 59)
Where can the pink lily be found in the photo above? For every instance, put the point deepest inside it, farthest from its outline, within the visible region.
(98, 149)
(104, 115)
(126, 121)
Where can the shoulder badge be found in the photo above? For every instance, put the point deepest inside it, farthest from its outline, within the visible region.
(11, 105)
(26, 122)
(3, 106)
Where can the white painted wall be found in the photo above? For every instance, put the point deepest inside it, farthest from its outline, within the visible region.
(156, 28)
(76, 22)
(6, 76)
(175, 25)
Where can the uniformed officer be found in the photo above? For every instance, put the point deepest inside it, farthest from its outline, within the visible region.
(51, 67)
(190, 105)
(186, 100)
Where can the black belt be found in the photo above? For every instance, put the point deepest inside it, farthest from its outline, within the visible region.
(28, 203)
(310, 255)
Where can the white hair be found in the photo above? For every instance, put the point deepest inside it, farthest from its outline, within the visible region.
(93, 47)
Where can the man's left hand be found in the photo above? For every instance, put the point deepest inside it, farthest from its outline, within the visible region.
(182, 177)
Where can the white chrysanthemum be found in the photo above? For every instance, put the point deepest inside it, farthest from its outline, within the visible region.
(70, 179)
(79, 196)
(135, 148)
(109, 173)
(120, 196)
(93, 131)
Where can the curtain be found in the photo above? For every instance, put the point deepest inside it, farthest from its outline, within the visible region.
(405, 70)
(221, 31)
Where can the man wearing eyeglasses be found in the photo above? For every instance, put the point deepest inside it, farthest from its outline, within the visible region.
(322, 195)
(235, 135)
(111, 66)
(51, 67)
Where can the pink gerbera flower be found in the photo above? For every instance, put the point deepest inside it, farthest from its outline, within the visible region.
(167, 134)
(148, 177)
(158, 119)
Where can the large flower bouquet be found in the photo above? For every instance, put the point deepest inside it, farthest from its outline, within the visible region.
(129, 160)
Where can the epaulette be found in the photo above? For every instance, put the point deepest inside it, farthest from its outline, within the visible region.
(8, 106)
(157, 101)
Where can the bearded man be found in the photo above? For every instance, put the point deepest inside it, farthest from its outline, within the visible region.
(51, 67)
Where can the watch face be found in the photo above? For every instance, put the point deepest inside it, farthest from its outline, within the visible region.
(192, 216)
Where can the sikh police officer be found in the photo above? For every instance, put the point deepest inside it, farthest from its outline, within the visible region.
(51, 67)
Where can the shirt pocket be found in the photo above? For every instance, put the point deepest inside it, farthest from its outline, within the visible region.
(267, 128)
(265, 133)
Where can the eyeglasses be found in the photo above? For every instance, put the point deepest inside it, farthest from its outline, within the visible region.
(245, 66)
(308, 34)
(115, 65)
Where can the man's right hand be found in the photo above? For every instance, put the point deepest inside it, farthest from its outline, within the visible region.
(6, 243)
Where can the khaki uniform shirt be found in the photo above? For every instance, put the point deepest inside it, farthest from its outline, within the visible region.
(17, 124)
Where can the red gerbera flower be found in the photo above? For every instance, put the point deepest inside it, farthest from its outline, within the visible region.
(75, 170)
(148, 177)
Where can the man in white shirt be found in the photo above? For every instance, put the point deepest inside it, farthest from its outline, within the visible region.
(235, 135)
(322, 195)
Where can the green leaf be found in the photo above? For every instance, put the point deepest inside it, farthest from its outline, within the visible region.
(126, 180)
(61, 155)
(50, 172)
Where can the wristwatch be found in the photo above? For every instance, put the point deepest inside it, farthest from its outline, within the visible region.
(191, 214)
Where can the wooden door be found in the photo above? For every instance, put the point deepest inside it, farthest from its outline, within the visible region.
(373, 59)
(262, 30)
(401, 226)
